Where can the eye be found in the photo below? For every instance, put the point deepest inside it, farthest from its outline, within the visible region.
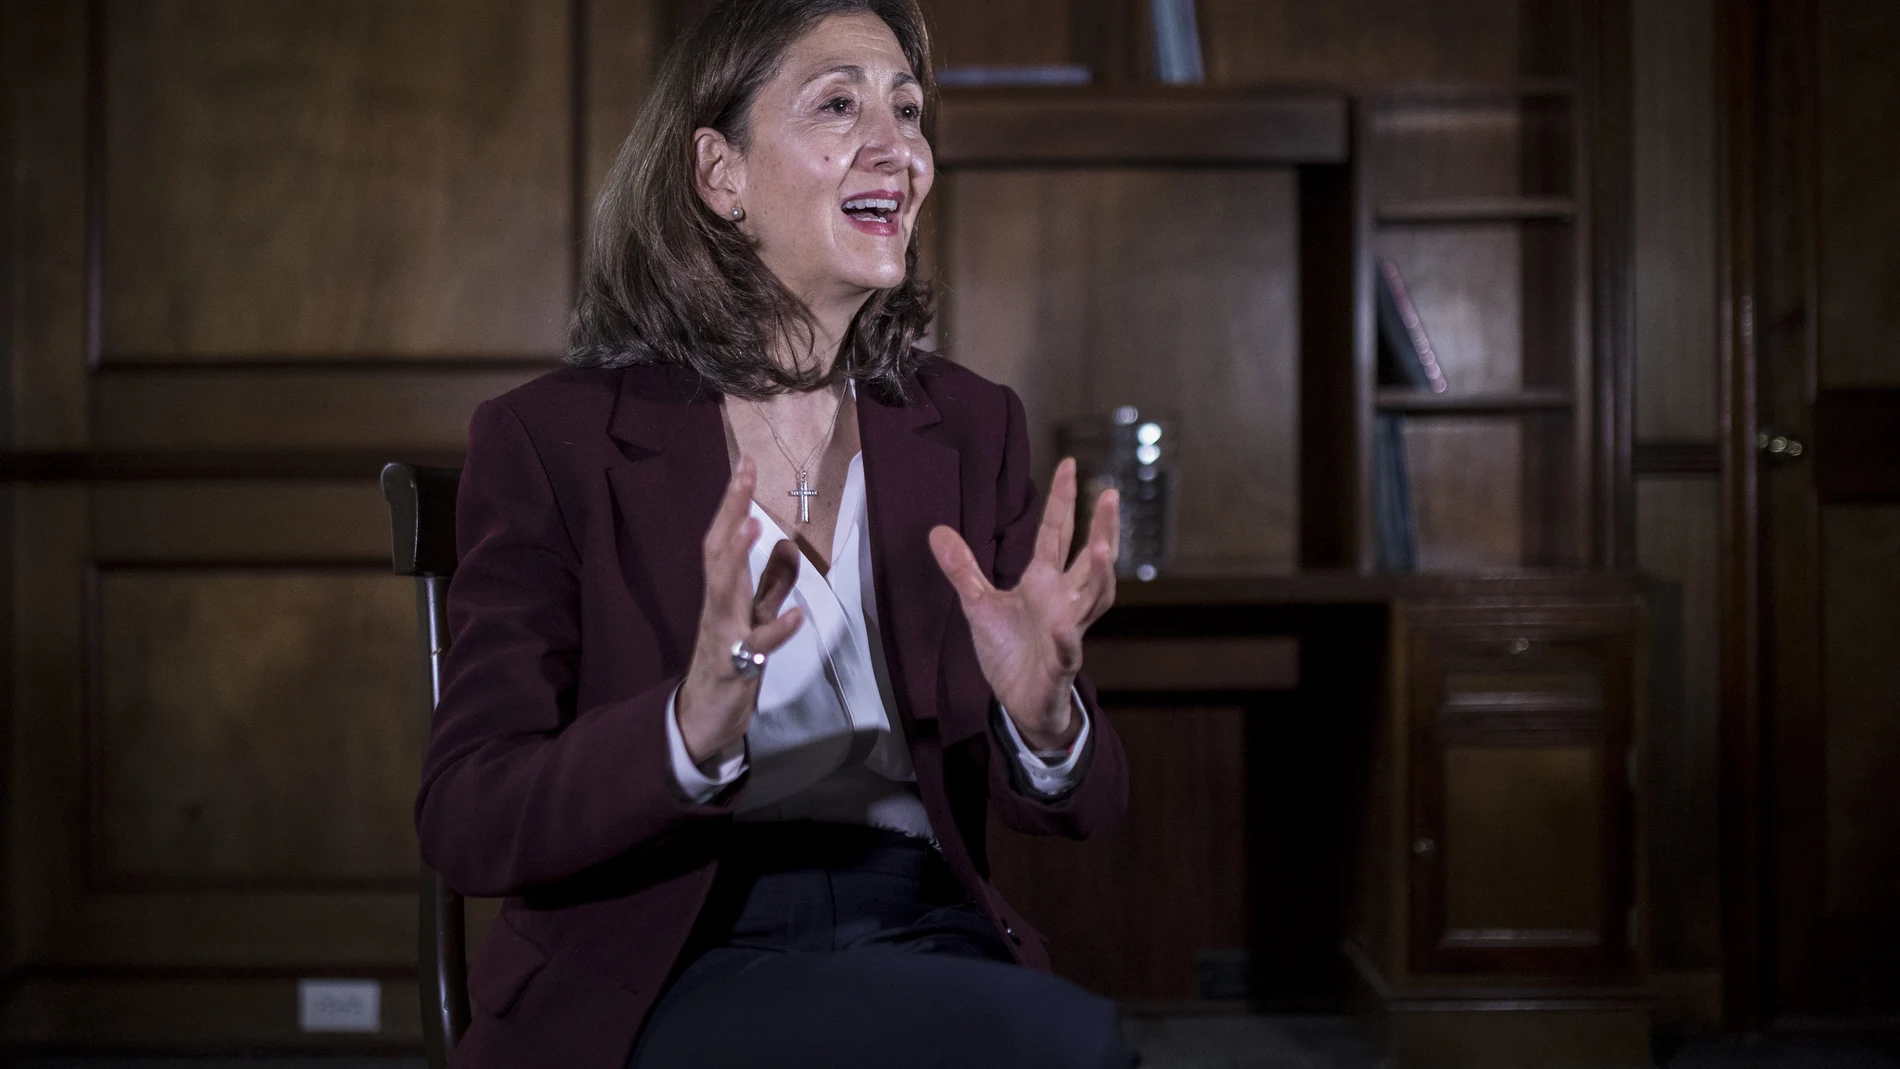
(837, 106)
(910, 112)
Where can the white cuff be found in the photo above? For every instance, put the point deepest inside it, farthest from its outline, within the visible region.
(1057, 773)
(696, 785)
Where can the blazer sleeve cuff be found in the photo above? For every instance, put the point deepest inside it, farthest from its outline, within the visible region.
(694, 784)
(1049, 772)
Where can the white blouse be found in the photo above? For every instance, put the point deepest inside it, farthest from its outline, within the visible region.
(825, 743)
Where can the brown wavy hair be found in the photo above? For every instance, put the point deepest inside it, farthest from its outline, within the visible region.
(666, 280)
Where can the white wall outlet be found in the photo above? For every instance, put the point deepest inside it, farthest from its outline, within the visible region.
(339, 1005)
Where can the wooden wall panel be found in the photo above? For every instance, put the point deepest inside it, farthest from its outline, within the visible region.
(253, 727)
(63, 918)
(1857, 263)
(1861, 627)
(240, 409)
(624, 40)
(1092, 289)
(196, 520)
(1678, 541)
(995, 33)
(336, 179)
(263, 248)
(249, 1013)
(1360, 42)
(1673, 198)
(46, 93)
(1125, 912)
(1673, 194)
(46, 720)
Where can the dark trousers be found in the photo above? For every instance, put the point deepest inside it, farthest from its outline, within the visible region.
(839, 947)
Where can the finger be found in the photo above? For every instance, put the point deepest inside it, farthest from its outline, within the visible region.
(736, 504)
(958, 564)
(732, 559)
(776, 582)
(1058, 517)
(774, 633)
(1105, 524)
(1100, 591)
(729, 577)
(729, 519)
(1095, 566)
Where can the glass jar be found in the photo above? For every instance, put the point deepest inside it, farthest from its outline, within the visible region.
(1135, 452)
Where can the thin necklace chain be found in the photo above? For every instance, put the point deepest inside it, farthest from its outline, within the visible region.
(802, 469)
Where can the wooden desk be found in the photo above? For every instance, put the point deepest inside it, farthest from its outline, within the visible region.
(1413, 794)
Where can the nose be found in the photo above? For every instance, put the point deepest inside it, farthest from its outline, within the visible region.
(886, 150)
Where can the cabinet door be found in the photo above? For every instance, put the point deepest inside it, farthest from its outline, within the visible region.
(1522, 775)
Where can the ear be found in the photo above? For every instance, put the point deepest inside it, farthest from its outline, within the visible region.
(718, 171)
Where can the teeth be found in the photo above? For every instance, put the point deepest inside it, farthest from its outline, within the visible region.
(874, 204)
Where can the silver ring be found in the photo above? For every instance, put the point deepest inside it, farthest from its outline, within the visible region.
(746, 661)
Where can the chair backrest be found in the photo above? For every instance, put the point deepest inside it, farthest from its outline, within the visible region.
(422, 537)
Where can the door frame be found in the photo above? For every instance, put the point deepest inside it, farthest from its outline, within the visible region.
(1742, 808)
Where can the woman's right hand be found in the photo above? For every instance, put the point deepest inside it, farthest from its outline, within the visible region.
(715, 703)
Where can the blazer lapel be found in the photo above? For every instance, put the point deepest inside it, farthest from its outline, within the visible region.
(668, 424)
(911, 484)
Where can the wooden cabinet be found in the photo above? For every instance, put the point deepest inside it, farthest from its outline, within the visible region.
(1522, 772)
(1503, 875)
(1456, 758)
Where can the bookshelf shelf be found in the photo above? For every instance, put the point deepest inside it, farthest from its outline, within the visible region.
(1413, 402)
(1502, 209)
(1475, 94)
(1135, 125)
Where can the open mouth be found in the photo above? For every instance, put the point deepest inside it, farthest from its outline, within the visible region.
(877, 209)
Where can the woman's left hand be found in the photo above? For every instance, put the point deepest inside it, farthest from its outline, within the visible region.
(1029, 639)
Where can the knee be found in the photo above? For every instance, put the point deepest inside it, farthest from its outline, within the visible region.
(1063, 1026)
(1099, 1043)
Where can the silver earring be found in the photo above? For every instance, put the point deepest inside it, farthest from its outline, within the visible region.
(737, 214)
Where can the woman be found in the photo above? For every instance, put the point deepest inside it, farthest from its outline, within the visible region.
(756, 615)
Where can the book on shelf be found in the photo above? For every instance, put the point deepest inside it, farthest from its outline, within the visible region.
(1177, 37)
(1406, 357)
(1396, 528)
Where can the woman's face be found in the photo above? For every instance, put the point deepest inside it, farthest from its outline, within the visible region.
(836, 165)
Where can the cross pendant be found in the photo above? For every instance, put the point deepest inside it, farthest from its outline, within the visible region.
(804, 494)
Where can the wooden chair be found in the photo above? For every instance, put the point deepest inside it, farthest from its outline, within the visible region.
(422, 529)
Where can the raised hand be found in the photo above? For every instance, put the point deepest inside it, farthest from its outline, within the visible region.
(1029, 639)
(715, 704)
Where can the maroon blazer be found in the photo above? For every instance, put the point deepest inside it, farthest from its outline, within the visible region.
(582, 505)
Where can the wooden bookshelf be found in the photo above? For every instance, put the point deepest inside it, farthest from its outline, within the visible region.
(1478, 196)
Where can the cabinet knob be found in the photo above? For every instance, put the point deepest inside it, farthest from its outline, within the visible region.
(1520, 644)
(1424, 847)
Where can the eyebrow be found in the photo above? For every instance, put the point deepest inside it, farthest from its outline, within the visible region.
(856, 74)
